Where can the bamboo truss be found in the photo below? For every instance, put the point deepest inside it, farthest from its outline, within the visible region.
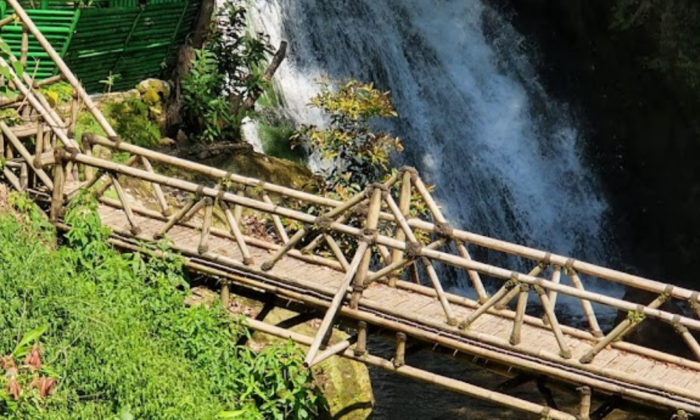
(392, 234)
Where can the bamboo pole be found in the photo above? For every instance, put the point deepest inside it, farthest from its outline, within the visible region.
(7, 20)
(108, 182)
(689, 339)
(319, 238)
(473, 275)
(399, 265)
(175, 219)
(277, 222)
(586, 305)
(400, 358)
(370, 231)
(510, 296)
(492, 302)
(585, 406)
(17, 144)
(225, 294)
(361, 346)
(238, 209)
(63, 68)
(337, 252)
(336, 303)
(516, 337)
(556, 279)
(160, 197)
(269, 264)
(633, 319)
(58, 185)
(23, 177)
(404, 208)
(565, 352)
(206, 226)
(609, 385)
(135, 229)
(331, 351)
(417, 374)
(389, 242)
(39, 148)
(25, 46)
(12, 178)
(48, 81)
(237, 234)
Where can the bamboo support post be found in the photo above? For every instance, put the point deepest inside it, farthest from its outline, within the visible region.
(384, 253)
(225, 294)
(564, 350)
(331, 351)
(160, 197)
(432, 275)
(23, 177)
(584, 412)
(135, 229)
(279, 227)
(58, 185)
(24, 53)
(206, 225)
(336, 303)
(585, 304)
(319, 238)
(2, 144)
(688, 338)
(7, 20)
(627, 325)
(473, 275)
(17, 144)
(237, 234)
(404, 208)
(39, 148)
(524, 292)
(176, 219)
(361, 346)
(490, 303)
(368, 238)
(400, 358)
(694, 304)
(87, 169)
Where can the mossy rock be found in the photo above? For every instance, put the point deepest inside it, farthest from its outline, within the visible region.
(345, 383)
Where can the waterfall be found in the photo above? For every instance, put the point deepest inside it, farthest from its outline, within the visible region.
(474, 118)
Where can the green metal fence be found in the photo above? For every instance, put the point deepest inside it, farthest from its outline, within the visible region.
(127, 40)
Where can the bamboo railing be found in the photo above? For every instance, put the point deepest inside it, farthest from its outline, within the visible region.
(392, 233)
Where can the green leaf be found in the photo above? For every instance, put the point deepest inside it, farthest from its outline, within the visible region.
(19, 69)
(28, 338)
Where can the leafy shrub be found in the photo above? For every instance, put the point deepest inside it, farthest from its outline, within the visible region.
(130, 118)
(359, 156)
(121, 343)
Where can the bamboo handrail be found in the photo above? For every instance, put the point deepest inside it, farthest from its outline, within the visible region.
(383, 240)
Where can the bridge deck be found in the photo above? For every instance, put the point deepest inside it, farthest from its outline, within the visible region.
(624, 371)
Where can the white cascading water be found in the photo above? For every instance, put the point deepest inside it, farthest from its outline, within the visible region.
(474, 119)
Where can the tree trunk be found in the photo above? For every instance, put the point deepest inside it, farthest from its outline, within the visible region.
(201, 29)
(235, 100)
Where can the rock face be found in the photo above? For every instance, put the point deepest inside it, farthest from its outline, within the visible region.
(630, 67)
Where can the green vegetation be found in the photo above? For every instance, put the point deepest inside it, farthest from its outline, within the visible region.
(225, 78)
(95, 334)
(276, 137)
(359, 155)
(131, 118)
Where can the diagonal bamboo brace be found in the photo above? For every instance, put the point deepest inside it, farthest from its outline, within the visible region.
(135, 229)
(335, 304)
(493, 301)
(269, 264)
(623, 328)
(473, 275)
(160, 197)
(585, 304)
(237, 234)
(687, 336)
(510, 296)
(564, 350)
(279, 227)
(179, 216)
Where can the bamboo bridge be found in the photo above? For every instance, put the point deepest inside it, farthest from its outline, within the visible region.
(379, 259)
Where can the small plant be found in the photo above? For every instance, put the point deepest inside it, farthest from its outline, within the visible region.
(6, 72)
(58, 93)
(131, 118)
(358, 155)
(110, 81)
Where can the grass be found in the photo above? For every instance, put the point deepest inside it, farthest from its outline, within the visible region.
(275, 138)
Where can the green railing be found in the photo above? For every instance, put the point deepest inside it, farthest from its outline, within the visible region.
(129, 40)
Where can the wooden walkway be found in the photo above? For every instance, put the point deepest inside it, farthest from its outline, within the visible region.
(296, 247)
(492, 331)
